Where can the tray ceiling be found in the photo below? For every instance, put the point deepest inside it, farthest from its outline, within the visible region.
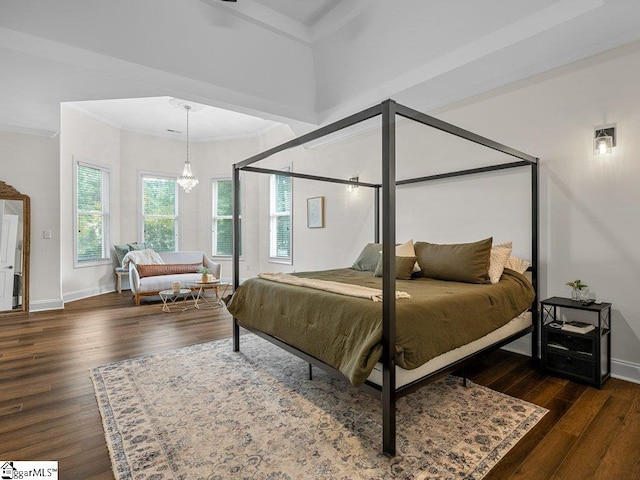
(302, 62)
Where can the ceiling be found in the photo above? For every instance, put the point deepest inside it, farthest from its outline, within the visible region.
(301, 62)
(306, 12)
(167, 117)
(159, 116)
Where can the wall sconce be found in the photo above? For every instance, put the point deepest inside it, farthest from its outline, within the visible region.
(351, 188)
(604, 141)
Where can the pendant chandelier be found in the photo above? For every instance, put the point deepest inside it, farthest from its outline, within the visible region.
(187, 180)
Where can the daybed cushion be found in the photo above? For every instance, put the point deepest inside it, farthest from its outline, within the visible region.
(151, 285)
(404, 267)
(461, 262)
(153, 270)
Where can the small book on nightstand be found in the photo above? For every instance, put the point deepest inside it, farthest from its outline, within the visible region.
(577, 327)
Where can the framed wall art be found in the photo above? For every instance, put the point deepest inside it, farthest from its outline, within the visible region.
(315, 212)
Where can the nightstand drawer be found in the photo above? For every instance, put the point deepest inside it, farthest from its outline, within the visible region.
(580, 343)
(571, 365)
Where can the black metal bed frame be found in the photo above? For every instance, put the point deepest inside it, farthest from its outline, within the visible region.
(388, 110)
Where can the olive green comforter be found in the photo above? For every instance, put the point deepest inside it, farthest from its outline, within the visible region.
(346, 332)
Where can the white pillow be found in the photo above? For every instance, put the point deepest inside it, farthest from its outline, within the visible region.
(407, 250)
(498, 259)
(517, 264)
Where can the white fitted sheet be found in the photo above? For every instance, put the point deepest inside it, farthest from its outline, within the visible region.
(404, 377)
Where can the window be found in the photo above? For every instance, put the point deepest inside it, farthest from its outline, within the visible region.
(222, 221)
(160, 213)
(92, 219)
(280, 225)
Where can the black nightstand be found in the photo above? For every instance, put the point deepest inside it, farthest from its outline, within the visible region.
(585, 357)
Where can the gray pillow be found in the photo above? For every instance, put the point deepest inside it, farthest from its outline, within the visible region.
(121, 251)
(367, 261)
(461, 262)
(404, 267)
(137, 246)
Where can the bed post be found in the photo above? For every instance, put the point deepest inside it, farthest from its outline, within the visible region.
(376, 215)
(236, 248)
(535, 246)
(389, 277)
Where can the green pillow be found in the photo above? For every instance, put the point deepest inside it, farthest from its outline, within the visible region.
(461, 262)
(404, 267)
(137, 246)
(367, 261)
(121, 251)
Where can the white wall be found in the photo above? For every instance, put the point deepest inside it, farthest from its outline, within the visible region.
(149, 154)
(128, 154)
(589, 205)
(30, 164)
(145, 153)
(83, 138)
(216, 160)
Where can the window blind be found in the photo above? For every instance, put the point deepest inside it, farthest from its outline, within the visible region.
(222, 223)
(159, 212)
(281, 227)
(92, 213)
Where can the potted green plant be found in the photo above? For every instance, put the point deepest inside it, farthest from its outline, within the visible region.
(577, 287)
(205, 274)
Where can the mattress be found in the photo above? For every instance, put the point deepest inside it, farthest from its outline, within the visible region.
(405, 377)
(346, 332)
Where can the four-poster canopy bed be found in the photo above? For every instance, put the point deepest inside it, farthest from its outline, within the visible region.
(385, 226)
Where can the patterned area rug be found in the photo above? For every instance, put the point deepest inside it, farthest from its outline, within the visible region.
(206, 412)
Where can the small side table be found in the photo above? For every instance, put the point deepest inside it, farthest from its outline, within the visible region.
(169, 298)
(198, 289)
(584, 357)
(120, 272)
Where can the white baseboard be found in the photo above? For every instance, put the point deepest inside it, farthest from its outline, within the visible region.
(44, 305)
(620, 369)
(90, 292)
(625, 370)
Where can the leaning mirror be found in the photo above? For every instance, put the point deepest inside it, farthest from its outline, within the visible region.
(14, 250)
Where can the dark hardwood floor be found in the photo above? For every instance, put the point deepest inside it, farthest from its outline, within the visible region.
(48, 410)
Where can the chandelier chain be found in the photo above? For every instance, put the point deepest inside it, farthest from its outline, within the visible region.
(187, 180)
(187, 107)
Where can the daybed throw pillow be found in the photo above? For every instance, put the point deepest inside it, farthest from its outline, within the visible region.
(498, 259)
(121, 251)
(461, 262)
(517, 264)
(367, 261)
(146, 256)
(404, 267)
(137, 246)
(154, 270)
